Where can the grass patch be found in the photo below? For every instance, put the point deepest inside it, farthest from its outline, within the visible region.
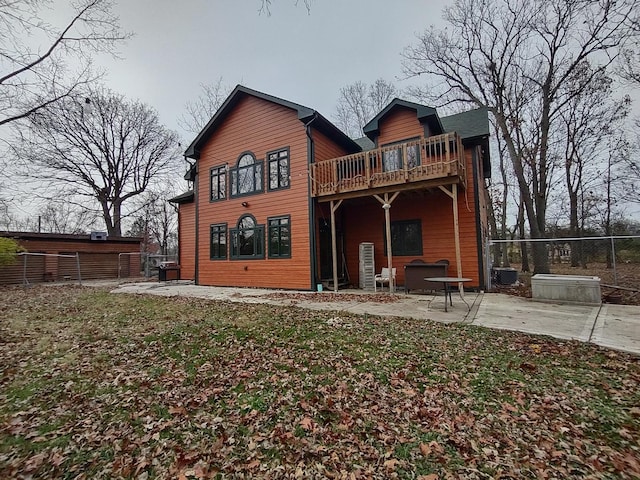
(110, 385)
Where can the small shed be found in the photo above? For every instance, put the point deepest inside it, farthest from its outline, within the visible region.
(100, 256)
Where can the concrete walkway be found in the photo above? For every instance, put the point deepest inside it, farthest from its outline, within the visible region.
(613, 326)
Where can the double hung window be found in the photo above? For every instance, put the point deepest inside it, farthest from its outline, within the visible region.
(280, 237)
(218, 245)
(278, 165)
(218, 183)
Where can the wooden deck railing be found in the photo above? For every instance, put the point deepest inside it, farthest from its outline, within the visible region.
(418, 160)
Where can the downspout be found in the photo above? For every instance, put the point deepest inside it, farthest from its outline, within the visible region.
(476, 203)
(312, 210)
(197, 224)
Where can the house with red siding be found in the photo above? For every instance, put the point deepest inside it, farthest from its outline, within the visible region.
(283, 199)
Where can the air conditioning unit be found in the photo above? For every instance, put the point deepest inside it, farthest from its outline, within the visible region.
(367, 268)
(99, 236)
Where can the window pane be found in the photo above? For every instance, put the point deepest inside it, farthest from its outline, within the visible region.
(234, 182)
(279, 238)
(218, 242)
(218, 183)
(413, 157)
(406, 238)
(246, 242)
(284, 172)
(245, 180)
(278, 169)
(273, 175)
(391, 160)
(258, 177)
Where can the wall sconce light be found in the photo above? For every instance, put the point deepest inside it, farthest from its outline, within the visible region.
(245, 204)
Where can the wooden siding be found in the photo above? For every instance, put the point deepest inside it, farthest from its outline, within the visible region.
(325, 148)
(98, 259)
(363, 221)
(257, 126)
(14, 273)
(399, 124)
(187, 240)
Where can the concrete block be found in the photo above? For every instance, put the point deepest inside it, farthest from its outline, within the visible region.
(566, 288)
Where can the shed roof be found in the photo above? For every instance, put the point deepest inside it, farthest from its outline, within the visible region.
(66, 237)
(186, 197)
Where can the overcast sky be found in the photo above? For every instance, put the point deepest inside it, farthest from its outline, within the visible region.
(302, 56)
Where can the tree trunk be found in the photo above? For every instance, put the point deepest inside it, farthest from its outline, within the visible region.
(535, 208)
(524, 251)
(117, 219)
(106, 216)
(574, 228)
(493, 229)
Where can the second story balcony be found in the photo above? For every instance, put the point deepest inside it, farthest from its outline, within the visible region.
(432, 161)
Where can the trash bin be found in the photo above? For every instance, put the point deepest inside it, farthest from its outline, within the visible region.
(505, 275)
(168, 271)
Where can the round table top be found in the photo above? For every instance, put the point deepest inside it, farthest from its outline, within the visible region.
(447, 279)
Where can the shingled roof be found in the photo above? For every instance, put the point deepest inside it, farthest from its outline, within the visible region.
(469, 125)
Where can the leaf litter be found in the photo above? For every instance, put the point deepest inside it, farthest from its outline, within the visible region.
(97, 385)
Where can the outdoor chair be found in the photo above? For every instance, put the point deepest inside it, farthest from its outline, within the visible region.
(382, 278)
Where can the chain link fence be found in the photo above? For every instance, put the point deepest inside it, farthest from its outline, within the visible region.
(615, 260)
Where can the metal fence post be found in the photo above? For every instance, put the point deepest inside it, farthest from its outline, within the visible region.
(613, 261)
(25, 280)
(488, 263)
(78, 264)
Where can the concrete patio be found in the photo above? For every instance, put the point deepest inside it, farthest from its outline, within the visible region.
(612, 326)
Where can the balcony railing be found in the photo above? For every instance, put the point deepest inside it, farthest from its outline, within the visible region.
(432, 158)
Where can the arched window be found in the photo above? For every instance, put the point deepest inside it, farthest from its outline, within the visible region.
(247, 240)
(246, 177)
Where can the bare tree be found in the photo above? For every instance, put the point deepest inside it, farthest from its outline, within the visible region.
(35, 75)
(358, 103)
(629, 68)
(109, 153)
(515, 57)
(66, 217)
(157, 221)
(265, 6)
(199, 112)
(587, 120)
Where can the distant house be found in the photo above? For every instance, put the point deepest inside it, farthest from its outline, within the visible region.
(99, 257)
(282, 198)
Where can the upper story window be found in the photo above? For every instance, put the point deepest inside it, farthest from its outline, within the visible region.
(404, 156)
(247, 240)
(278, 168)
(246, 178)
(218, 183)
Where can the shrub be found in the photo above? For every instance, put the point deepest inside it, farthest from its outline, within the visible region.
(8, 250)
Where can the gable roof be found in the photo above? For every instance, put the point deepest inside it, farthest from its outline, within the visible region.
(305, 115)
(424, 114)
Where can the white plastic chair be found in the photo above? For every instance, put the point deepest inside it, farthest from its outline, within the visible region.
(383, 278)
